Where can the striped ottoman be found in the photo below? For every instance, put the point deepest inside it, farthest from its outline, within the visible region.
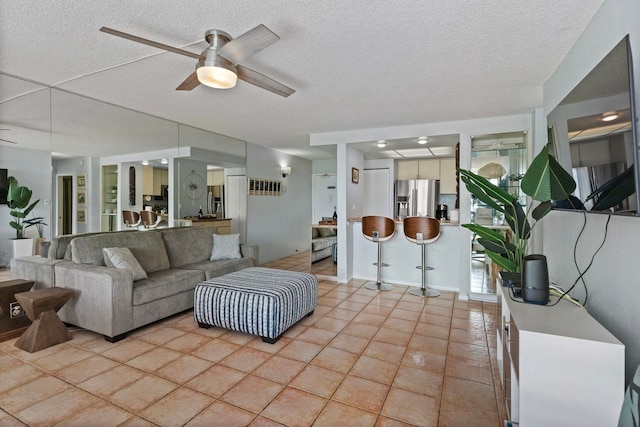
(258, 301)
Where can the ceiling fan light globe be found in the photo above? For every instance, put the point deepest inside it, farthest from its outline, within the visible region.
(217, 77)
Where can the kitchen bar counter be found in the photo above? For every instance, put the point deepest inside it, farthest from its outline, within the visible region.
(445, 255)
(223, 224)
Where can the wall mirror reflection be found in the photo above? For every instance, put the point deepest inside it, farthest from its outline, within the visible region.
(128, 161)
(592, 130)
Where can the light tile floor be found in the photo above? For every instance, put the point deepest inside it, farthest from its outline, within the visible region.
(363, 359)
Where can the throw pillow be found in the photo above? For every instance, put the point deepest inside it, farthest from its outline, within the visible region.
(123, 258)
(225, 246)
(327, 232)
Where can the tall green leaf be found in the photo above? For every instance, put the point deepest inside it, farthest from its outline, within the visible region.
(546, 179)
(614, 191)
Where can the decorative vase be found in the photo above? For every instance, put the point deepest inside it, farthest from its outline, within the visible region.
(22, 247)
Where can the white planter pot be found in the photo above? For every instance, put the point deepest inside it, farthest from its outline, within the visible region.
(22, 247)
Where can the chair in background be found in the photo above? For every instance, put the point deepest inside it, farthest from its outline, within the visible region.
(150, 219)
(422, 230)
(378, 229)
(131, 219)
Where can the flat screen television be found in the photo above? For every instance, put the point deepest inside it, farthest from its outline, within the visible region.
(4, 186)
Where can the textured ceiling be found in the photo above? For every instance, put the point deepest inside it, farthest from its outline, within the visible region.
(354, 65)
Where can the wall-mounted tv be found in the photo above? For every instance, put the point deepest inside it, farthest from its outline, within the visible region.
(4, 186)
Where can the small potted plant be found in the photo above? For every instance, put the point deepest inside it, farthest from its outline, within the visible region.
(18, 201)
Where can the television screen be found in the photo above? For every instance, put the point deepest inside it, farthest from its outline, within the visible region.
(4, 186)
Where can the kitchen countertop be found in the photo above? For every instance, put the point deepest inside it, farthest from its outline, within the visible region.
(205, 219)
(399, 221)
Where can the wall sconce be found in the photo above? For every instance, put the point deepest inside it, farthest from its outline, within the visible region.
(286, 170)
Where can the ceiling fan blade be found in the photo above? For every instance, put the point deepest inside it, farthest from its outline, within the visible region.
(248, 43)
(149, 42)
(6, 140)
(262, 81)
(190, 82)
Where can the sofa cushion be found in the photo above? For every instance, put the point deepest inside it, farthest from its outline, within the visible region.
(123, 258)
(165, 283)
(320, 244)
(225, 246)
(326, 232)
(147, 247)
(314, 232)
(186, 245)
(218, 268)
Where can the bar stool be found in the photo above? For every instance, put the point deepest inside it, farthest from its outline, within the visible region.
(422, 230)
(131, 218)
(378, 229)
(150, 219)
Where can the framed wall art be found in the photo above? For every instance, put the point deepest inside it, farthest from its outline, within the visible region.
(355, 175)
(81, 180)
(82, 198)
(264, 187)
(81, 216)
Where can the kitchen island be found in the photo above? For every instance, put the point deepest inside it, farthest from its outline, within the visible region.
(445, 255)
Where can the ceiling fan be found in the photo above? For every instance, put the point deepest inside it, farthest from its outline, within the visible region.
(218, 65)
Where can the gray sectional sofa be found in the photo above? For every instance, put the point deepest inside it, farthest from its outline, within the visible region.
(322, 241)
(107, 300)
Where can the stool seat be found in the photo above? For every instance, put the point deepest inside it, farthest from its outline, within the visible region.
(422, 231)
(378, 229)
(131, 218)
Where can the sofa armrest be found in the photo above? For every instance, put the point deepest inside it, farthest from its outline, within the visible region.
(103, 299)
(36, 268)
(250, 251)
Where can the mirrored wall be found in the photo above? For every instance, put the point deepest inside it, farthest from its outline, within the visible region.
(88, 161)
(592, 131)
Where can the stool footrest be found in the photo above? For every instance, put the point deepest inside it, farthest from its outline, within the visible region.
(381, 264)
(419, 267)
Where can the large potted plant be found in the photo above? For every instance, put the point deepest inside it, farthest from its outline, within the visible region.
(19, 203)
(545, 181)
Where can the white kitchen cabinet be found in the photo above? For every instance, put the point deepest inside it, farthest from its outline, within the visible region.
(558, 365)
(429, 169)
(448, 182)
(443, 169)
(407, 169)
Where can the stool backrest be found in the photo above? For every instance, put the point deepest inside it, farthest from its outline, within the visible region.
(130, 217)
(429, 227)
(384, 227)
(149, 218)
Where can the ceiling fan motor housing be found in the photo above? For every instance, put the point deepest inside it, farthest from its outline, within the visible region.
(210, 58)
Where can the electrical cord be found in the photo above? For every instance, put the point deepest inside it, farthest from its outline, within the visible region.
(581, 275)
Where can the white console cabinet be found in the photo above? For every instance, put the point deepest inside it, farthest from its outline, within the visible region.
(559, 366)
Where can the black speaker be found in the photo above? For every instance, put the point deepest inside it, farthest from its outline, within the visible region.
(535, 279)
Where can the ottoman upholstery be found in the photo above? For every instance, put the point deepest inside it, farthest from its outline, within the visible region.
(259, 301)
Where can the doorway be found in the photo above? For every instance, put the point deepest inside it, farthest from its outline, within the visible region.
(236, 208)
(64, 222)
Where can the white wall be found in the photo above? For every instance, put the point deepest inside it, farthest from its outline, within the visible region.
(32, 169)
(279, 225)
(614, 291)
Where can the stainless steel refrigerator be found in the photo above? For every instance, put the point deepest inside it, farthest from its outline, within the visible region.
(416, 197)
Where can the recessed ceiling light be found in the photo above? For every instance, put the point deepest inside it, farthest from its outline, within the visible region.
(164, 161)
(381, 143)
(422, 140)
(145, 162)
(609, 116)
